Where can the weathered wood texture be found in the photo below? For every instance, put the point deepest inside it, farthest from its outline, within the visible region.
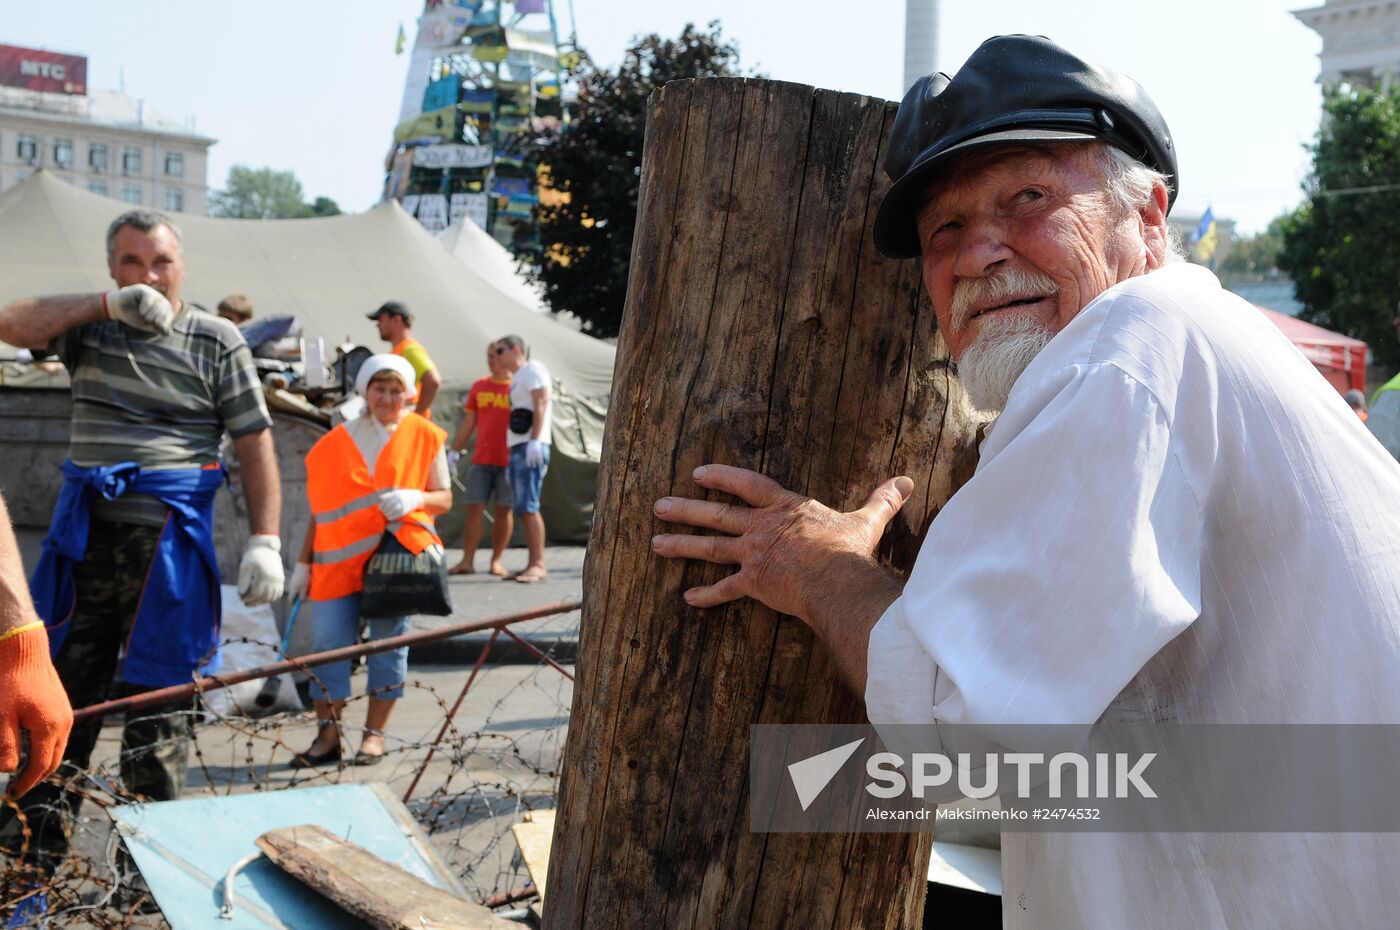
(378, 892)
(762, 330)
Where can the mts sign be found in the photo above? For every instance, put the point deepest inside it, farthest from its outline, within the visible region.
(35, 69)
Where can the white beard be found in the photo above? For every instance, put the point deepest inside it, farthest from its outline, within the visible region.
(1005, 347)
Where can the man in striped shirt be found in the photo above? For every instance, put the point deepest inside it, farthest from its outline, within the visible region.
(156, 384)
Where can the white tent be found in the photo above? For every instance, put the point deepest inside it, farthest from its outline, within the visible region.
(329, 272)
(478, 250)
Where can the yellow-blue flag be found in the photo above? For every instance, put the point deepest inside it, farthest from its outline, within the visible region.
(402, 41)
(1205, 238)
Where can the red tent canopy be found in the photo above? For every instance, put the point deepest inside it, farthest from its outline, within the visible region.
(1341, 359)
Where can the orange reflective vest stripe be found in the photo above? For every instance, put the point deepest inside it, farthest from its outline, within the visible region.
(345, 502)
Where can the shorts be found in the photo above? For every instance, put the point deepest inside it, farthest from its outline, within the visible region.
(488, 484)
(336, 624)
(525, 481)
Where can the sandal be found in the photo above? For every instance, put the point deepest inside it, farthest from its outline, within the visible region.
(369, 758)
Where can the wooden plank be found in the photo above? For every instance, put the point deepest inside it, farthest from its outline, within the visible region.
(761, 330)
(535, 835)
(378, 892)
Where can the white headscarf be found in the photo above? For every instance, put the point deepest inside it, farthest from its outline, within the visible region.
(386, 361)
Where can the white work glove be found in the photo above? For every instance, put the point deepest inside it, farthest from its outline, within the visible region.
(398, 502)
(139, 307)
(453, 457)
(534, 453)
(260, 574)
(300, 585)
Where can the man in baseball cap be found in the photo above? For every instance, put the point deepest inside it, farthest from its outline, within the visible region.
(1175, 519)
(396, 328)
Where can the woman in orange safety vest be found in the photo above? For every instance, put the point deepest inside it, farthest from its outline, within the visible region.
(385, 469)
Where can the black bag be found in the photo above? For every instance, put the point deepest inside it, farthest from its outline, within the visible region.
(521, 419)
(401, 584)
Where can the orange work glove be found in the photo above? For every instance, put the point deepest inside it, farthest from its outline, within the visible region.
(31, 699)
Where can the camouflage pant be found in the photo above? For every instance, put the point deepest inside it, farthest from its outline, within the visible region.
(155, 742)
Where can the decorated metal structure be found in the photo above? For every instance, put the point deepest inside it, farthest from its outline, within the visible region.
(485, 81)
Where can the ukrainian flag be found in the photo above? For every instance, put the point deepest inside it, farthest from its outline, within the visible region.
(1205, 238)
(401, 41)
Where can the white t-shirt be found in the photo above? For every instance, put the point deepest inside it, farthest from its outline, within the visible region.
(531, 377)
(1176, 518)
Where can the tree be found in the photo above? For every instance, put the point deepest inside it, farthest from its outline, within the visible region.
(324, 206)
(1257, 254)
(586, 236)
(1339, 246)
(265, 194)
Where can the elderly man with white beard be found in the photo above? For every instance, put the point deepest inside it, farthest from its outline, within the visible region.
(1174, 517)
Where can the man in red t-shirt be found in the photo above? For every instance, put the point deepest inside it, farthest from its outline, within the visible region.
(487, 413)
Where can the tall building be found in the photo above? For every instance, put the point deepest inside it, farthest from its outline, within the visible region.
(920, 39)
(1360, 40)
(104, 141)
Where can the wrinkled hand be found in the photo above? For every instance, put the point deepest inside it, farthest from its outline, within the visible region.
(140, 307)
(792, 551)
(300, 585)
(399, 502)
(260, 573)
(453, 457)
(534, 453)
(32, 699)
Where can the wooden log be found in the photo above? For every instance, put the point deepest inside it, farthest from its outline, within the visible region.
(378, 892)
(761, 330)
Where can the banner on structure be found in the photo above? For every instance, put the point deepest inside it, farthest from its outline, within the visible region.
(50, 72)
(432, 212)
(469, 206)
(452, 156)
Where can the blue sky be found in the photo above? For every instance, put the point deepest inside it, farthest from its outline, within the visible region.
(314, 87)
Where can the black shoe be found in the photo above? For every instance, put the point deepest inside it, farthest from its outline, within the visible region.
(310, 760)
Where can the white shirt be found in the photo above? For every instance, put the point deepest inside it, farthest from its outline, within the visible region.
(531, 377)
(1174, 519)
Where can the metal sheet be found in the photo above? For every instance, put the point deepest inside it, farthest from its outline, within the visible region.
(184, 849)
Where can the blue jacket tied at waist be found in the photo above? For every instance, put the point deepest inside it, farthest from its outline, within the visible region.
(177, 623)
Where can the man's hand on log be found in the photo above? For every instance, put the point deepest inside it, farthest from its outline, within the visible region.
(794, 553)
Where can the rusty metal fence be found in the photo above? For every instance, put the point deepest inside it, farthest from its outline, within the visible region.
(466, 779)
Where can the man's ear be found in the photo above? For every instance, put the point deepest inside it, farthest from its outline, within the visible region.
(1153, 216)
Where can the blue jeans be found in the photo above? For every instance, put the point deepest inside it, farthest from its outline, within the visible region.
(334, 624)
(525, 481)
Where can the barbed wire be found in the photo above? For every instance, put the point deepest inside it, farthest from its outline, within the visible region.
(482, 779)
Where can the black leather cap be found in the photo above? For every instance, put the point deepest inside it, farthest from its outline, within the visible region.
(1013, 90)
